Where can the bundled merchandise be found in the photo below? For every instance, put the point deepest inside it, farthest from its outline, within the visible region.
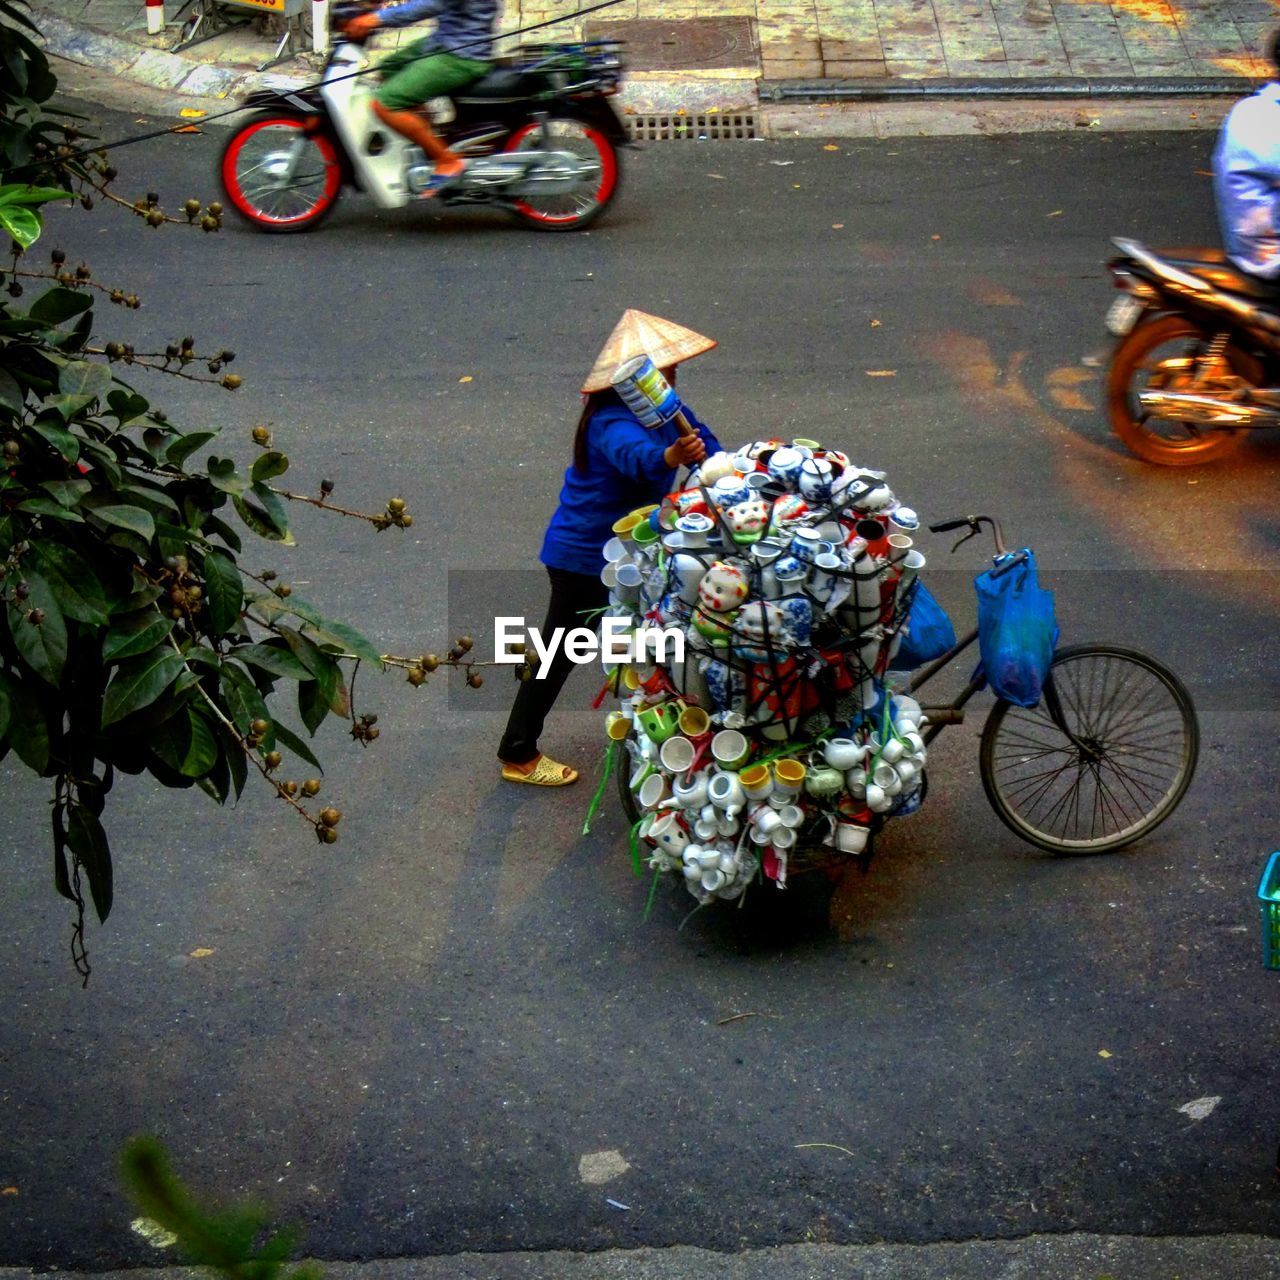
(772, 743)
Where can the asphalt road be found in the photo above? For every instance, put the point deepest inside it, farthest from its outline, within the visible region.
(408, 1043)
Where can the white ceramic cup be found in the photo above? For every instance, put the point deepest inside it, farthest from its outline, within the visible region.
(730, 749)
(907, 771)
(767, 820)
(875, 798)
(889, 751)
(653, 791)
(706, 829)
(851, 837)
(668, 834)
(783, 838)
(792, 816)
(714, 880)
(677, 754)
(627, 587)
(883, 774)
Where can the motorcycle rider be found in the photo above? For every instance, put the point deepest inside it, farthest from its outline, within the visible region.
(1246, 176)
(457, 53)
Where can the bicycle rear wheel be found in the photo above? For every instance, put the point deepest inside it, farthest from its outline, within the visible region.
(1119, 771)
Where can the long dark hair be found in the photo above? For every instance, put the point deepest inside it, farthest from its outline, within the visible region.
(592, 401)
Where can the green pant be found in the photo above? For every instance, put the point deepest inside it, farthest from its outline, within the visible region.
(412, 75)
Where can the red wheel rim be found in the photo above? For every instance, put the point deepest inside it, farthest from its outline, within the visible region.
(608, 174)
(231, 182)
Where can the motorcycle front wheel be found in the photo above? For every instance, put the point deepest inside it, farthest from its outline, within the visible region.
(1165, 353)
(280, 173)
(570, 210)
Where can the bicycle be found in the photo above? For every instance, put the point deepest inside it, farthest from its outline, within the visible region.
(1098, 763)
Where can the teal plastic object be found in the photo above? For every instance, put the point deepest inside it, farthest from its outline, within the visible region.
(1269, 900)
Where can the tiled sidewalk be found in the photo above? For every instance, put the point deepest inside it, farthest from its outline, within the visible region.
(864, 39)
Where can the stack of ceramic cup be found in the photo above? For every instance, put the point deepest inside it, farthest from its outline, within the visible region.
(789, 571)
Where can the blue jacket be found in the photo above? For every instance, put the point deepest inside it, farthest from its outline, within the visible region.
(625, 470)
(1246, 180)
(464, 27)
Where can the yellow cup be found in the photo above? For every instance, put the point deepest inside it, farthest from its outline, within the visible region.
(694, 722)
(617, 725)
(626, 526)
(756, 781)
(630, 678)
(790, 775)
(643, 513)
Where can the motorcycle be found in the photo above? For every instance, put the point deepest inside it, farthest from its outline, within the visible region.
(537, 132)
(1197, 360)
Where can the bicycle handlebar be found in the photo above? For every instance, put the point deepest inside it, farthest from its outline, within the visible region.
(974, 524)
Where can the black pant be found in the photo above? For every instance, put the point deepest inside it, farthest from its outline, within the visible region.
(572, 594)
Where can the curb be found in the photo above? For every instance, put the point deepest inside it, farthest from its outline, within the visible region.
(151, 68)
(1007, 87)
(1070, 1256)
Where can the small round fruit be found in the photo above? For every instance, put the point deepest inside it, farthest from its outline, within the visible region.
(395, 506)
(260, 434)
(416, 676)
(330, 817)
(327, 835)
(273, 759)
(311, 787)
(260, 727)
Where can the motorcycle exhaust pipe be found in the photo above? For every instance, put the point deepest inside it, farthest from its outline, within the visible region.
(1206, 411)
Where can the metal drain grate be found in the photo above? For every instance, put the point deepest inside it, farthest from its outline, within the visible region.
(714, 126)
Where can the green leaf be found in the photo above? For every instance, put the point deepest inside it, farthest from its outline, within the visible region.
(18, 193)
(21, 225)
(326, 630)
(149, 496)
(68, 406)
(222, 475)
(245, 703)
(239, 767)
(12, 396)
(213, 527)
(184, 446)
(224, 590)
(88, 842)
(274, 658)
(313, 706)
(291, 742)
(265, 517)
(66, 492)
(133, 519)
(186, 743)
(74, 583)
(139, 682)
(217, 782)
(84, 377)
(43, 645)
(127, 405)
(135, 633)
(29, 731)
(58, 305)
(6, 705)
(266, 466)
(202, 755)
(47, 507)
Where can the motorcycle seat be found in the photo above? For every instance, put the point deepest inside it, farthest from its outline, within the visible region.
(500, 83)
(1212, 266)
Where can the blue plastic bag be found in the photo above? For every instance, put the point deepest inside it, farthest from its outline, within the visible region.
(927, 634)
(1016, 632)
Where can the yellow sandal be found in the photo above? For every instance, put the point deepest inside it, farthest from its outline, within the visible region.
(546, 773)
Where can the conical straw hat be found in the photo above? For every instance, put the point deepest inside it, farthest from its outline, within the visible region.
(640, 334)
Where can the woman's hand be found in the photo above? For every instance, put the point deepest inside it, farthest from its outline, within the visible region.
(688, 451)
